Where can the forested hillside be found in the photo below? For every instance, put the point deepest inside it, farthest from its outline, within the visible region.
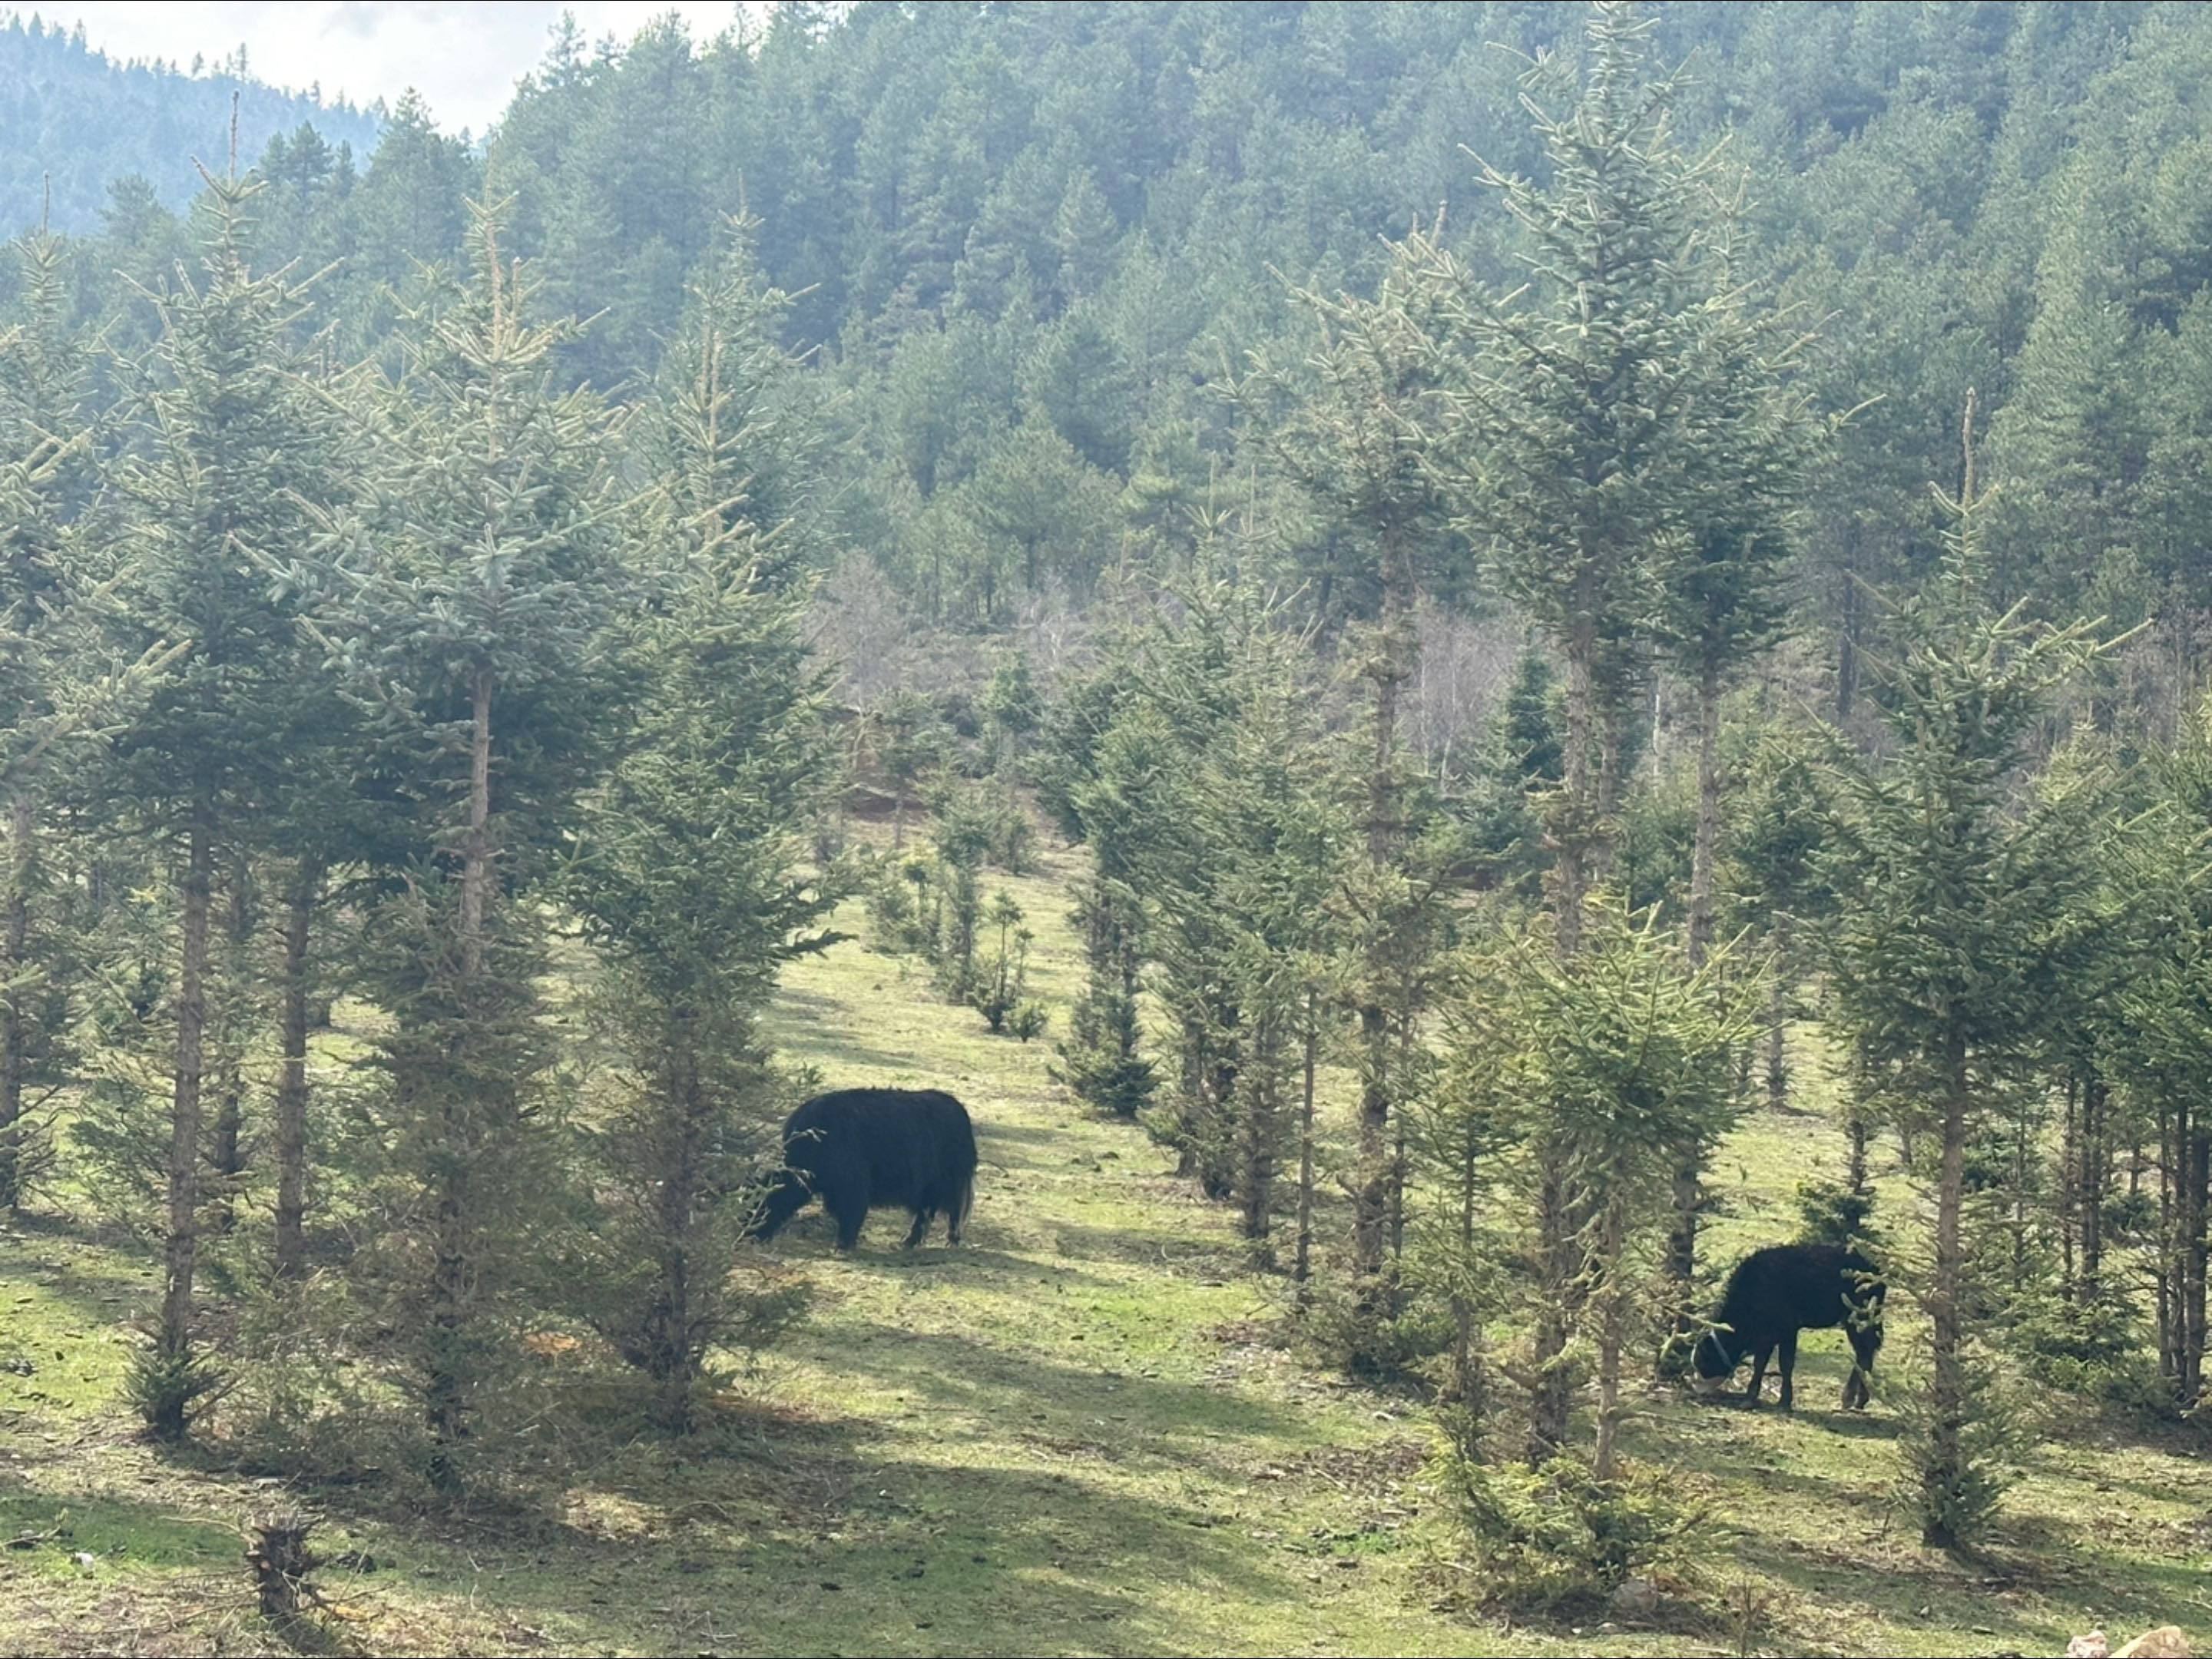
(85, 139)
(1456, 663)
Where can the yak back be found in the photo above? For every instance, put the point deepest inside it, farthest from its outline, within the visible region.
(1788, 1287)
(914, 1147)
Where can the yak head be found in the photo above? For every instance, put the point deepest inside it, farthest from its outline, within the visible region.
(1712, 1362)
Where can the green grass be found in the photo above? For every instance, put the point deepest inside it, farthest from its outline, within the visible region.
(1075, 1435)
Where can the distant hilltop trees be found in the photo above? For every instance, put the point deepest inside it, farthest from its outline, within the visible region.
(78, 119)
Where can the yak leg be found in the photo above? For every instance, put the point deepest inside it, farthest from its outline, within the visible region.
(1858, 1387)
(1758, 1372)
(851, 1213)
(920, 1229)
(1788, 1362)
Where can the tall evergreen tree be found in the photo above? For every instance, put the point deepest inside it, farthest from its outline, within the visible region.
(238, 456)
(687, 876)
(1582, 423)
(1945, 965)
(41, 381)
(2159, 1036)
(1591, 431)
(1600, 1063)
(1351, 434)
(1724, 603)
(467, 602)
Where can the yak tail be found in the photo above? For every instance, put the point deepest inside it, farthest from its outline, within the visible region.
(961, 1206)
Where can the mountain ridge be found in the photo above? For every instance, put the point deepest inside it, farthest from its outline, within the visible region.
(81, 121)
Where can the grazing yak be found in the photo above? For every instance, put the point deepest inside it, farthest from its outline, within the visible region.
(1777, 1292)
(862, 1149)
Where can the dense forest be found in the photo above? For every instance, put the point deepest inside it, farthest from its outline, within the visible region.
(1452, 622)
(93, 140)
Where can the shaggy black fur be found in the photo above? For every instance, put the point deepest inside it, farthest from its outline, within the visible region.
(862, 1149)
(1777, 1292)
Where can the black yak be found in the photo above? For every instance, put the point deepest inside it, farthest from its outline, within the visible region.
(862, 1149)
(1777, 1292)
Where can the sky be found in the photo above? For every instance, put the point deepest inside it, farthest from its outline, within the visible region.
(463, 59)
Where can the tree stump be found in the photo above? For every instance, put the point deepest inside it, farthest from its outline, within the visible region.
(281, 1561)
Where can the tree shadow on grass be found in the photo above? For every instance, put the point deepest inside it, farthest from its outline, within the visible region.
(813, 1238)
(107, 1528)
(983, 1556)
(1204, 1252)
(1110, 1414)
(1890, 1595)
(829, 1047)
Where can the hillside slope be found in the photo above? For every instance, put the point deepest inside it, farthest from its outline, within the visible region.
(1076, 1435)
(79, 120)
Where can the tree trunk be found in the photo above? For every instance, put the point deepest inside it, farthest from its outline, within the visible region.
(1385, 832)
(1946, 1309)
(15, 971)
(2169, 1166)
(292, 1086)
(2096, 1155)
(1705, 848)
(1371, 1201)
(1469, 1385)
(1398, 1198)
(675, 1361)
(2196, 1167)
(1405, 1069)
(1847, 638)
(1690, 1157)
(2070, 1162)
(446, 1388)
(1126, 1031)
(1551, 1396)
(1575, 831)
(226, 1159)
(1301, 1274)
(1613, 1332)
(1777, 1021)
(447, 1385)
(1571, 835)
(174, 1342)
(1256, 1132)
(476, 860)
(1857, 1173)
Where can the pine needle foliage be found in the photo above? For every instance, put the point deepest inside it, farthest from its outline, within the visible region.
(1954, 884)
(688, 878)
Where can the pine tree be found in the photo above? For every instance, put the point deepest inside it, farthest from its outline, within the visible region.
(1352, 432)
(1277, 822)
(1584, 414)
(1945, 965)
(687, 877)
(466, 601)
(41, 378)
(1593, 424)
(1115, 787)
(1600, 1064)
(2159, 1036)
(238, 455)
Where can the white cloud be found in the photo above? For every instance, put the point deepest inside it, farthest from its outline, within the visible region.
(463, 59)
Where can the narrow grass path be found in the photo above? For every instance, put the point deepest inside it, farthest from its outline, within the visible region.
(1067, 1435)
(1072, 1435)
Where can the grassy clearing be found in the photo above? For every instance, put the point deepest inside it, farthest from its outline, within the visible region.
(1074, 1435)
